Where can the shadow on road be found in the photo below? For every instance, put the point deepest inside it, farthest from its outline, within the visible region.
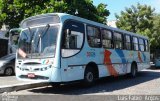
(154, 68)
(108, 84)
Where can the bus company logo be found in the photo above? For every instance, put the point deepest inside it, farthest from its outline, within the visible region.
(91, 54)
(45, 61)
(30, 69)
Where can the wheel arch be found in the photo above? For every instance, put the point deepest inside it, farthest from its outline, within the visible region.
(134, 63)
(94, 66)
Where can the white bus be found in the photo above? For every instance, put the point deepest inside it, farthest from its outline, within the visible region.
(59, 48)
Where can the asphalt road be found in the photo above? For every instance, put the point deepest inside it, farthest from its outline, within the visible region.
(146, 83)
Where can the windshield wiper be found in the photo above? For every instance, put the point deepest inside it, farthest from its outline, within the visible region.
(42, 35)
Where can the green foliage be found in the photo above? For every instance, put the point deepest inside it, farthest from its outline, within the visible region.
(12, 12)
(156, 34)
(138, 19)
(102, 13)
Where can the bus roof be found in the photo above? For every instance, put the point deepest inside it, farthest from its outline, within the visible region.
(63, 17)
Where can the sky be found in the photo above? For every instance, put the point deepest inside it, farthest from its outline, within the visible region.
(116, 6)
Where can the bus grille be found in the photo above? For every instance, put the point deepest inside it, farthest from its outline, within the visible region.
(37, 77)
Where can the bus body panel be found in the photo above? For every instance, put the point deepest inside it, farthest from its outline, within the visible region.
(72, 68)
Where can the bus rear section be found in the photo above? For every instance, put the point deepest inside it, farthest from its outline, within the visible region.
(3, 47)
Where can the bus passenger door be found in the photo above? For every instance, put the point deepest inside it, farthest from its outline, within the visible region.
(71, 45)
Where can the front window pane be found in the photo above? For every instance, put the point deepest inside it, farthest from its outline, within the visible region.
(38, 42)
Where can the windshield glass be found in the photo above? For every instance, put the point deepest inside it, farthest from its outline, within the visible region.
(38, 42)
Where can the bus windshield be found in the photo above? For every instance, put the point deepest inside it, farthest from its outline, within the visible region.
(38, 42)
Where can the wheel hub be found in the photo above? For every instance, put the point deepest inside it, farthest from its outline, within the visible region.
(90, 76)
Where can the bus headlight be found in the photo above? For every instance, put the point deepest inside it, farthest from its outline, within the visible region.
(45, 68)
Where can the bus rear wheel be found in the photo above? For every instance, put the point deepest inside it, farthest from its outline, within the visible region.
(134, 70)
(89, 77)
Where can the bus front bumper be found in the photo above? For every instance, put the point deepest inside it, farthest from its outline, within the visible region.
(50, 75)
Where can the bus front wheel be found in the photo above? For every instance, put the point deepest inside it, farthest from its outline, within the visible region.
(89, 76)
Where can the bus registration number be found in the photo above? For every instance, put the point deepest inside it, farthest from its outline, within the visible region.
(31, 75)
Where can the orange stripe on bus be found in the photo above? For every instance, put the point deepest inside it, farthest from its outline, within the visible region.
(139, 57)
(108, 63)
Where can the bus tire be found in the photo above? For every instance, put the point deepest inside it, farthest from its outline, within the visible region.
(134, 70)
(89, 77)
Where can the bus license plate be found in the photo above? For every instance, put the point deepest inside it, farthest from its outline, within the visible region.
(31, 75)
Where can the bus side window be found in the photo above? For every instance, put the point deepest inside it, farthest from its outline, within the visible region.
(65, 38)
(135, 43)
(146, 45)
(72, 38)
(107, 40)
(118, 40)
(141, 44)
(94, 37)
(127, 42)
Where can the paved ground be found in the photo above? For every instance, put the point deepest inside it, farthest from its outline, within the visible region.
(9, 80)
(10, 83)
(146, 83)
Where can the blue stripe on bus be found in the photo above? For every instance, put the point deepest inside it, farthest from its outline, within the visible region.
(121, 55)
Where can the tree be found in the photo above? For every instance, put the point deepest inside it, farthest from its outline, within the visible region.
(12, 12)
(137, 19)
(102, 13)
(87, 10)
(156, 34)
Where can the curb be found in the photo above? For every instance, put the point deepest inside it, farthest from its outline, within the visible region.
(23, 86)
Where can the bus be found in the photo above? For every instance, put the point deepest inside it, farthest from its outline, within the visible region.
(8, 48)
(3, 47)
(59, 48)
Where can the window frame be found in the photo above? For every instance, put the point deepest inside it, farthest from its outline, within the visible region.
(141, 44)
(112, 44)
(100, 36)
(125, 41)
(135, 43)
(62, 36)
(115, 40)
(146, 40)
